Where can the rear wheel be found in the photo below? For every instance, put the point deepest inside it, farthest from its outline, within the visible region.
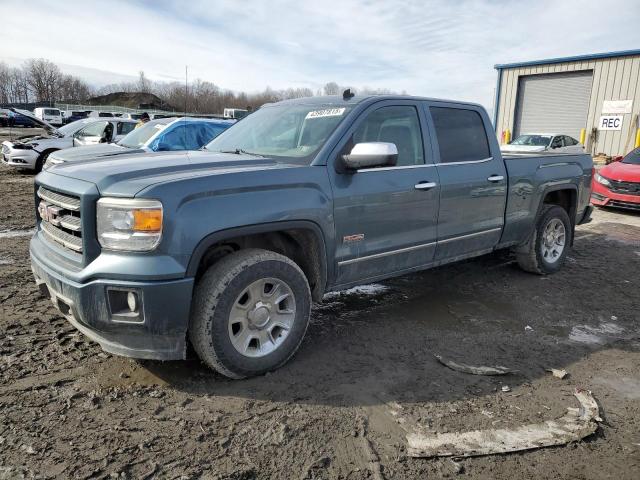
(250, 312)
(546, 250)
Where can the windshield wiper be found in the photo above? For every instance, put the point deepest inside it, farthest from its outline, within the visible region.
(240, 151)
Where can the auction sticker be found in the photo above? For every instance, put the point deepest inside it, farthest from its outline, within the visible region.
(327, 112)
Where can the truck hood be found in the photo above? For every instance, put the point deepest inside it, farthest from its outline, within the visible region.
(88, 152)
(126, 175)
(623, 172)
(521, 148)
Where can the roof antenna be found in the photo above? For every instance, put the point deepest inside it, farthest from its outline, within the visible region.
(347, 94)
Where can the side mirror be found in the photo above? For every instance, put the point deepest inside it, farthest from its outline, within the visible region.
(371, 155)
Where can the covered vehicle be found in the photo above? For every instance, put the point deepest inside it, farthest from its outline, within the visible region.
(166, 134)
(618, 184)
(31, 152)
(541, 142)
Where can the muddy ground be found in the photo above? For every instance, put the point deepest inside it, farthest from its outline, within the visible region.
(364, 375)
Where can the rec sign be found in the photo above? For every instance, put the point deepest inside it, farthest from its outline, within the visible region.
(610, 122)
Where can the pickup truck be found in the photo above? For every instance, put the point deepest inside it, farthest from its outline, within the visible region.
(226, 248)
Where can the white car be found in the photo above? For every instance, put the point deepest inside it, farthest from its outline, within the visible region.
(31, 152)
(541, 142)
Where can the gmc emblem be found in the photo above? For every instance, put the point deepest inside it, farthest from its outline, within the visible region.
(49, 213)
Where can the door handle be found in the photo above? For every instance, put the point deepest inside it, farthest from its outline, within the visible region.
(495, 178)
(424, 185)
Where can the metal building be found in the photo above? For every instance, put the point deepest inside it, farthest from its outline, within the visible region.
(593, 98)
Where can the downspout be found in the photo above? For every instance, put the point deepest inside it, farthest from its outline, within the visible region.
(497, 103)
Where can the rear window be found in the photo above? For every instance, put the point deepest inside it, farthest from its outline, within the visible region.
(105, 114)
(50, 111)
(461, 134)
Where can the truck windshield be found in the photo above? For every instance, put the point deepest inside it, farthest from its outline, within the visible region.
(532, 140)
(291, 132)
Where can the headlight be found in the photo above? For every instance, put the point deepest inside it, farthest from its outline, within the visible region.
(600, 179)
(130, 224)
(51, 162)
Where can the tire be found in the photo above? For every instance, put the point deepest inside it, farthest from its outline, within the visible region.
(41, 161)
(257, 342)
(541, 254)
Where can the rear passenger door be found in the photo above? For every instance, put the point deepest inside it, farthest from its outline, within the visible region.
(386, 218)
(473, 180)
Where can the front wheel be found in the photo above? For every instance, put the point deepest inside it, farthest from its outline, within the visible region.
(250, 312)
(546, 250)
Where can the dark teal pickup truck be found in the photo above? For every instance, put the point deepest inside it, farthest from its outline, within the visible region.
(228, 246)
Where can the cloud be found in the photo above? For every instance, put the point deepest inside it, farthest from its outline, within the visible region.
(434, 48)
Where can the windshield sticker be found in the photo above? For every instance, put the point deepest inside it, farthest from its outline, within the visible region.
(327, 112)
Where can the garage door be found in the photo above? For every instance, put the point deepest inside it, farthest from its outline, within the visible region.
(553, 103)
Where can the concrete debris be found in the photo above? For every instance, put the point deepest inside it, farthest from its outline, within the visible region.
(561, 374)
(575, 425)
(473, 370)
(506, 388)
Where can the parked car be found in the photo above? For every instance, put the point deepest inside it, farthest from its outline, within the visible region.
(236, 113)
(228, 246)
(618, 184)
(96, 114)
(542, 142)
(31, 152)
(69, 116)
(19, 118)
(50, 115)
(168, 134)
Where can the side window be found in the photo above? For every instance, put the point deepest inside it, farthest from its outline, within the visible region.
(93, 130)
(557, 142)
(174, 139)
(461, 134)
(570, 141)
(125, 127)
(398, 125)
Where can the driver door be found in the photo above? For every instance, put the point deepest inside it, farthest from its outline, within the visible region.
(386, 217)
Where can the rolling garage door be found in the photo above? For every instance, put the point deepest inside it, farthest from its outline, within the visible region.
(553, 103)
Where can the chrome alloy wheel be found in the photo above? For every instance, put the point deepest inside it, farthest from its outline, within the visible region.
(261, 317)
(553, 240)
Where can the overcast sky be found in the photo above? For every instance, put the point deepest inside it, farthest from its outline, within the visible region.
(434, 48)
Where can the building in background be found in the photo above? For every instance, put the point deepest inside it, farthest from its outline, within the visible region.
(594, 98)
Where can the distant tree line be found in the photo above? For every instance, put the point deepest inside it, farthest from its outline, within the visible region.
(40, 80)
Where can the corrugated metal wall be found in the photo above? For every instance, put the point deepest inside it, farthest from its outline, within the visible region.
(614, 78)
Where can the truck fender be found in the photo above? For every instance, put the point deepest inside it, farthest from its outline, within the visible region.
(219, 236)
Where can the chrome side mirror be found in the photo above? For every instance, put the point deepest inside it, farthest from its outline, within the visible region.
(371, 155)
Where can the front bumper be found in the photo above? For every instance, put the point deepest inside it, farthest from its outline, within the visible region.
(16, 157)
(603, 197)
(161, 333)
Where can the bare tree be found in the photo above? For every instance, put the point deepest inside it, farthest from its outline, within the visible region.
(43, 77)
(331, 88)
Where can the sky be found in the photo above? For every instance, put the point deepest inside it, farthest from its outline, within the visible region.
(435, 48)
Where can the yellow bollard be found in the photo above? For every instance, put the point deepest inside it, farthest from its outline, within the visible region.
(638, 138)
(583, 135)
(507, 136)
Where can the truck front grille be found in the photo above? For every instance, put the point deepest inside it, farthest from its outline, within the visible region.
(625, 188)
(60, 218)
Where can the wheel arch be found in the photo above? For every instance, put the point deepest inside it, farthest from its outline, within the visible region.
(301, 240)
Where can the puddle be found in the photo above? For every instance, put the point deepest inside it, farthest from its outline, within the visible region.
(17, 233)
(371, 289)
(595, 335)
